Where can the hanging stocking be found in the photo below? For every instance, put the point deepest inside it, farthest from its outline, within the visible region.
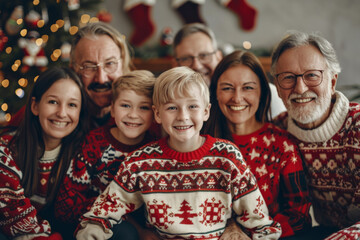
(247, 14)
(140, 15)
(190, 12)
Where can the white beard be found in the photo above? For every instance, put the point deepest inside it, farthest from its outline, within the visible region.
(311, 112)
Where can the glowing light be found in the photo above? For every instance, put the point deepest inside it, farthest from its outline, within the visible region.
(247, 44)
(54, 27)
(57, 53)
(5, 83)
(36, 2)
(94, 19)
(39, 41)
(45, 38)
(60, 23)
(8, 117)
(17, 62)
(19, 21)
(23, 32)
(22, 82)
(35, 78)
(20, 93)
(73, 30)
(8, 50)
(40, 23)
(85, 18)
(14, 67)
(53, 58)
(4, 107)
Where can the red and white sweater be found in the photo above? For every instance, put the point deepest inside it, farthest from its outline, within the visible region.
(90, 172)
(275, 160)
(18, 213)
(332, 156)
(187, 195)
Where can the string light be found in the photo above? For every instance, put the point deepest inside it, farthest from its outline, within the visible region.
(54, 27)
(73, 30)
(23, 82)
(85, 18)
(36, 2)
(4, 107)
(8, 50)
(20, 93)
(5, 83)
(40, 23)
(60, 23)
(8, 117)
(247, 45)
(23, 32)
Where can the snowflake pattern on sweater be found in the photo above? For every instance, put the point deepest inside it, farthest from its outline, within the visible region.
(332, 156)
(186, 195)
(18, 213)
(90, 172)
(274, 158)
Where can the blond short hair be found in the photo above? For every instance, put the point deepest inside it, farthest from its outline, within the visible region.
(179, 82)
(140, 81)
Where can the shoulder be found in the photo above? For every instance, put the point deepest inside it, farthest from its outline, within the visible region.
(149, 150)
(281, 120)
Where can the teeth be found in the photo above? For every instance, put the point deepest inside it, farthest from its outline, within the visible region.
(237, 108)
(183, 128)
(59, 124)
(132, 124)
(302, 100)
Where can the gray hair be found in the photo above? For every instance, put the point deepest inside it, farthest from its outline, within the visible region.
(295, 39)
(192, 28)
(92, 30)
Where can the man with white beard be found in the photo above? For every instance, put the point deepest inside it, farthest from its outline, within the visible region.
(327, 129)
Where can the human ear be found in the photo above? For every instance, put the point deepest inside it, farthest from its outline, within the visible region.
(207, 112)
(156, 114)
(112, 109)
(333, 83)
(34, 107)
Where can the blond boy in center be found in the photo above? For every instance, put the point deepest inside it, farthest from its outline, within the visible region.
(191, 184)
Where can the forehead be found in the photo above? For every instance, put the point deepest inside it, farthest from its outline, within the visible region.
(194, 44)
(300, 59)
(64, 88)
(238, 74)
(96, 49)
(131, 95)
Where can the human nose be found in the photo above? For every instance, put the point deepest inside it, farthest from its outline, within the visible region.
(196, 64)
(101, 75)
(61, 112)
(132, 113)
(300, 86)
(237, 96)
(182, 114)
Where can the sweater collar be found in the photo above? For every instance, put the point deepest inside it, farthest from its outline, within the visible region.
(329, 128)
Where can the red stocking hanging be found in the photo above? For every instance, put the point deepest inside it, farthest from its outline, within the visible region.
(247, 14)
(190, 12)
(140, 15)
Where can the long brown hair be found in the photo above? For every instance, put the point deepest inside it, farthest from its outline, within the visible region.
(217, 123)
(27, 145)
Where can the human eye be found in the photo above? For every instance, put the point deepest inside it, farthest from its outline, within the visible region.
(226, 88)
(312, 75)
(52, 101)
(287, 77)
(194, 106)
(145, 108)
(89, 67)
(171, 108)
(73, 105)
(124, 105)
(248, 88)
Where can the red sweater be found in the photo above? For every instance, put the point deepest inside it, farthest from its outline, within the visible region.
(275, 160)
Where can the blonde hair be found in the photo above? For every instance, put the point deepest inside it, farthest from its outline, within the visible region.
(140, 81)
(179, 82)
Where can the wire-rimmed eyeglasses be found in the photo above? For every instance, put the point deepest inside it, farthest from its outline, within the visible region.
(288, 80)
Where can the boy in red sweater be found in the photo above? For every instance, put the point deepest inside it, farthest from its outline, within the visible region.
(105, 148)
(190, 184)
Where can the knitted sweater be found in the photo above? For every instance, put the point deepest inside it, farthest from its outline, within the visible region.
(275, 160)
(90, 172)
(187, 195)
(332, 156)
(18, 213)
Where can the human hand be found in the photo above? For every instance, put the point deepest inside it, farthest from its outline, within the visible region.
(350, 233)
(233, 232)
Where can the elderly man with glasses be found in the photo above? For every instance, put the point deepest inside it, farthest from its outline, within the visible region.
(327, 129)
(99, 54)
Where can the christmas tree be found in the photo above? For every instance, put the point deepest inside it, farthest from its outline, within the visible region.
(35, 35)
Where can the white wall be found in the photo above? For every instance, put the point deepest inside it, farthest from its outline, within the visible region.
(336, 20)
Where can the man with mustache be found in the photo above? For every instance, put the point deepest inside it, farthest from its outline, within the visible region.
(99, 54)
(327, 129)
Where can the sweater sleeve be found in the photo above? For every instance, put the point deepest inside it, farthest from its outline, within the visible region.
(294, 197)
(251, 209)
(18, 217)
(75, 195)
(118, 199)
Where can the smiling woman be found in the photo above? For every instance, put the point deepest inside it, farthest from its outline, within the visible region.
(34, 158)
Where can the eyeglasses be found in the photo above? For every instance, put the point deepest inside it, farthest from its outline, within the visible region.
(288, 80)
(188, 60)
(89, 70)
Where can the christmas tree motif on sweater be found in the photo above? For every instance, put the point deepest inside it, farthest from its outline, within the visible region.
(212, 212)
(186, 214)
